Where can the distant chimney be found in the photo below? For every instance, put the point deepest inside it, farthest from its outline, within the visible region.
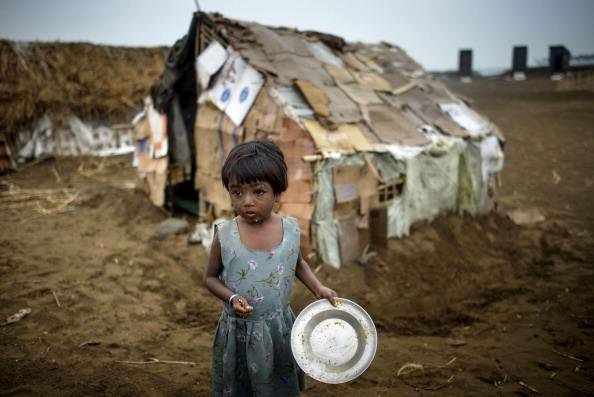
(519, 56)
(558, 59)
(465, 64)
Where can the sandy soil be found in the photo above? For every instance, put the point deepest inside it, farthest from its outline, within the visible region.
(485, 306)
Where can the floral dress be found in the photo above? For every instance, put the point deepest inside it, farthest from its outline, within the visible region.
(252, 356)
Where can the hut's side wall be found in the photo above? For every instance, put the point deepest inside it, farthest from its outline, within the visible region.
(452, 180)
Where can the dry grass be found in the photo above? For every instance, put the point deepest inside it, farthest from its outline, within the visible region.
(94, 82)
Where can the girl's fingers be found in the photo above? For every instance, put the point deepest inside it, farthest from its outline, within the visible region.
(331, 295)
(243, 308)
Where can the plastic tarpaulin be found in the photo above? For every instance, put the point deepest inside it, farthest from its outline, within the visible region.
(431, 188)
(326, 226)
(436, 182)
(492, 156)
(74, 138)
(179, 143)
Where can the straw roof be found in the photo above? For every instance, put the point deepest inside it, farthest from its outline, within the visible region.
(93, 82)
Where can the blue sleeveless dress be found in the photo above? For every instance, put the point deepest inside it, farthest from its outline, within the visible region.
(252, 356)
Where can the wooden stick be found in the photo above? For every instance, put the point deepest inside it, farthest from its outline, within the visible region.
(56, 299)
(532, 389)
(26, 197)
(17, 206)
(449, 362)
(421, 366)
(372, 168)
(154, 360)
(568, 356)
(122, 126)
(402, 89)
(35, 192)
(415, 366)
(408, 365)
(58, 178)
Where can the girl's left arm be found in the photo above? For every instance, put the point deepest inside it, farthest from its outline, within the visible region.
(309, 279)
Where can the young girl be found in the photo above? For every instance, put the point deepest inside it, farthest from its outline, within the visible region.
(252, 264)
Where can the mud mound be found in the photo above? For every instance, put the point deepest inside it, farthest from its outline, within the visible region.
(450, 272)
(127, 205)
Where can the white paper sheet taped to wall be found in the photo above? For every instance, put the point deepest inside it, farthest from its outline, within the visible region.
(244, 94)
(209, 62)
(236, 87)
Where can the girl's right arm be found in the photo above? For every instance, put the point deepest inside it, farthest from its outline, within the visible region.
(309, 279)
(215, 285)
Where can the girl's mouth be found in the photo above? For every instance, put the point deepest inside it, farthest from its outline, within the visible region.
(252, 217)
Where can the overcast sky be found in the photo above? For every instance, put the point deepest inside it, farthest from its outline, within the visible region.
(431, 31)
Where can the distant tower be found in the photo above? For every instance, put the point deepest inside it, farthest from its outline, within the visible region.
(465, 65)
(558, 61)
(519, 56)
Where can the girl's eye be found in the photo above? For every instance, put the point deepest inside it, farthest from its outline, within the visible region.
(260, 192)
(236, 193)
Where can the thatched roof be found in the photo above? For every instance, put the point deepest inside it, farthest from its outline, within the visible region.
(93, 82)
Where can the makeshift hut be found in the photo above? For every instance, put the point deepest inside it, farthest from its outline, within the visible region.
(373, 142)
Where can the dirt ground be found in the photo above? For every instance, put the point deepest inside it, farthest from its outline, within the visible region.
(473, 306)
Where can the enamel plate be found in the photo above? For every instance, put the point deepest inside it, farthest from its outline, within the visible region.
(333, 344)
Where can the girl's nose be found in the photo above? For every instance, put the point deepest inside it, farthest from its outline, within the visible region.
(248, 199)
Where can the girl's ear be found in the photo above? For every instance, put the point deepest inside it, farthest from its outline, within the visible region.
(276, 205)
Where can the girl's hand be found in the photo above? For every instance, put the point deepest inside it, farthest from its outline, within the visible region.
(241, 307)
(326, 293)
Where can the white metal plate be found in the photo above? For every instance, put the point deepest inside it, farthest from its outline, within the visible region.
(333, 344)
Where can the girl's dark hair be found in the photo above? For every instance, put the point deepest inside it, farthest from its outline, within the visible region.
(256, 161)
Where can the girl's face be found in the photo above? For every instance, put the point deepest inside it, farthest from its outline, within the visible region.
(252, 201)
